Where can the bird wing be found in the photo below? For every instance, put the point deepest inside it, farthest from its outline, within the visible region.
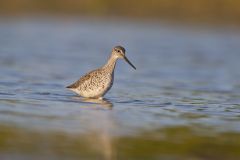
(84, 79)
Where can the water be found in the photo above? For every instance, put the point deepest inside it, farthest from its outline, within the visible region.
(182, 102)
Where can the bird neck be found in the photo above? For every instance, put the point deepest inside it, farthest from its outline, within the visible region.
(111, 63)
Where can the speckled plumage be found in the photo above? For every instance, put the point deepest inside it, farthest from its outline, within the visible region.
(97, 83)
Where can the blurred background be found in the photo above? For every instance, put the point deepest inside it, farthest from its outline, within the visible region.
(215, 11)
(182, 102)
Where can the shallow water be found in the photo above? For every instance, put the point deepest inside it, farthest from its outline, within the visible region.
(182, 102)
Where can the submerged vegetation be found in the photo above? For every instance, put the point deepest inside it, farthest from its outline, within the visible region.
(169, 143)
(226, 11)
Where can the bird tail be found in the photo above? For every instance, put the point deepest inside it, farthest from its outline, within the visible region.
(70, 86)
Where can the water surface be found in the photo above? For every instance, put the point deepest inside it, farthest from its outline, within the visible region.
(182, 102)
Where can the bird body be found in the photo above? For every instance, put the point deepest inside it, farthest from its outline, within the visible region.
(97, 83)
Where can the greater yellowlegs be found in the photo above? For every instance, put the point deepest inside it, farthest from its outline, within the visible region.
(97, 83)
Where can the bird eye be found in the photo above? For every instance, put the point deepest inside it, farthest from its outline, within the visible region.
(118, 51)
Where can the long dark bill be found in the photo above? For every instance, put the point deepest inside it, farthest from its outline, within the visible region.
(125, 58)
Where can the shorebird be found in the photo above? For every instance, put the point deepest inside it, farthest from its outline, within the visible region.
(97, 83)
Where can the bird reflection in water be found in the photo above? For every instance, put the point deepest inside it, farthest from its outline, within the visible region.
(104, 103)
(100, 126)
